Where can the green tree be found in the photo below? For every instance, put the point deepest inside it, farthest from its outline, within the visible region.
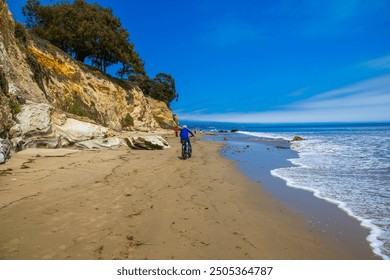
(83, 30)
(163, 88)
(131, 64)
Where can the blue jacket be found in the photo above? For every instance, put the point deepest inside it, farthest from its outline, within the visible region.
(184, 133)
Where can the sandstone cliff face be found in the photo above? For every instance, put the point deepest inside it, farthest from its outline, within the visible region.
(34, 72)
(6, 50)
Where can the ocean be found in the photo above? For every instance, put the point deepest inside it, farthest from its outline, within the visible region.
(344, 164)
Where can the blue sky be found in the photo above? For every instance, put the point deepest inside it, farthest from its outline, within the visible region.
(274, 61)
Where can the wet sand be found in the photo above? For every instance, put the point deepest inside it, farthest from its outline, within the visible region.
(129, 204)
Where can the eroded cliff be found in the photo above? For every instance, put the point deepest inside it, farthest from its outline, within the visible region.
(32, 71)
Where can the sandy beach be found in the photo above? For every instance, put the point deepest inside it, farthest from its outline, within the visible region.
(138, 204)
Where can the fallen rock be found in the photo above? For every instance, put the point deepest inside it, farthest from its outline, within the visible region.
(147, 142)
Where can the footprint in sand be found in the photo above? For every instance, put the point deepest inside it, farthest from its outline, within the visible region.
(243, 238)
(198, 243)
(99, 252)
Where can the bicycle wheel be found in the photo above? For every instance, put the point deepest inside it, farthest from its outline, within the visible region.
(184, 151)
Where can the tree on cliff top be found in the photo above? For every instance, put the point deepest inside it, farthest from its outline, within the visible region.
(162, 87)
(84, 31)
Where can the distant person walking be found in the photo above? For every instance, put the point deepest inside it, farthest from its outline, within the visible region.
(176, 129)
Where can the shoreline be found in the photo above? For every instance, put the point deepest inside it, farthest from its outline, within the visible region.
(323, 216)
(132, 204)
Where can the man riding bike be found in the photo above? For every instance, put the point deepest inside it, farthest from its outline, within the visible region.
(184, 135)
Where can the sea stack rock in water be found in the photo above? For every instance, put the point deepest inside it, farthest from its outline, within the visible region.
(298, 138)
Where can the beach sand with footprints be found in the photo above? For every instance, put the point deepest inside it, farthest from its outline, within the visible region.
(138, 204)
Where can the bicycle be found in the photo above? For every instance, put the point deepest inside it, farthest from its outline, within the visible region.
(186, 150)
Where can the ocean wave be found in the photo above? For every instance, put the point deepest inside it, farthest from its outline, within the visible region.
(375, 232)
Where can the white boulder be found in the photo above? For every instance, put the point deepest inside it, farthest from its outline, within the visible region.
(150, 142)
(73, 131)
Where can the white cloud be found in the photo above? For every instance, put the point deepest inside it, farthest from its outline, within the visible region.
(378, 63)
(362, 102)
(371, 92)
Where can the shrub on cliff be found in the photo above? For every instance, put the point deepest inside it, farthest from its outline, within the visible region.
(20, 33)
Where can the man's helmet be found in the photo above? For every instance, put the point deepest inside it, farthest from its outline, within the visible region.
(184, 126)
